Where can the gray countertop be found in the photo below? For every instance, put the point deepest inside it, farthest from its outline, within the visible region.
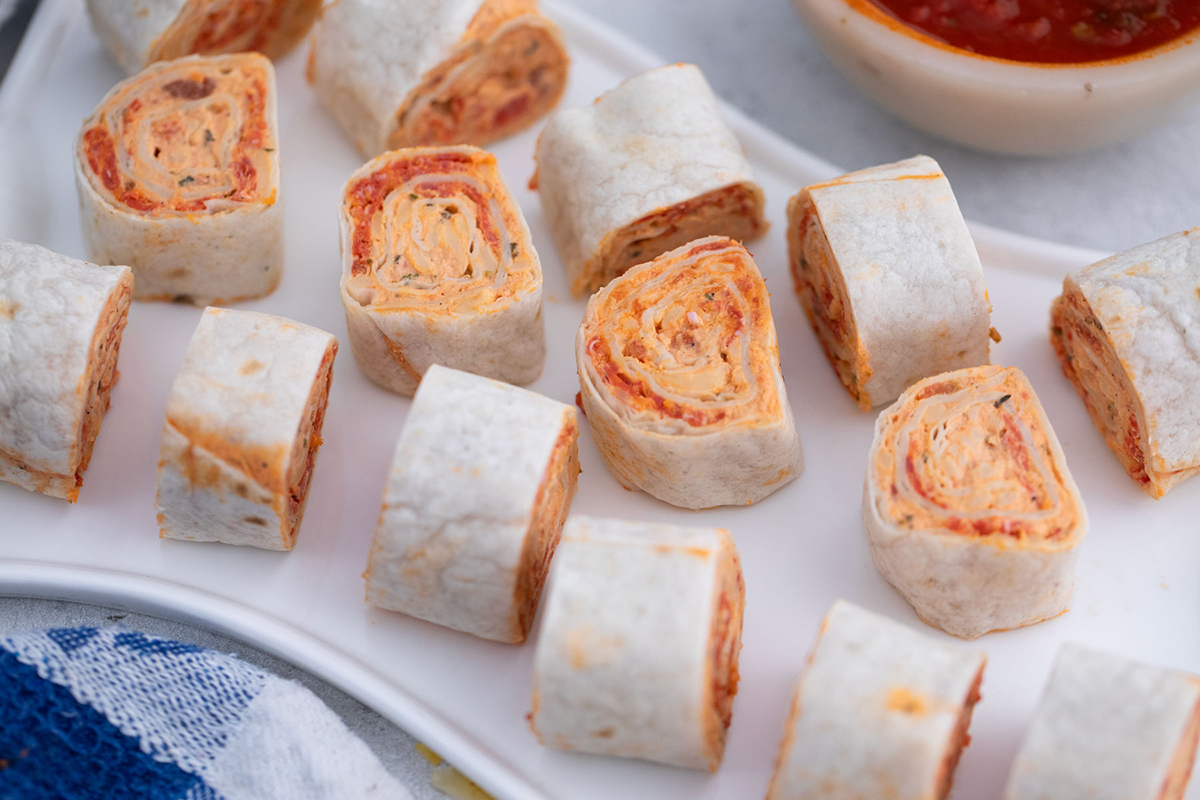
(758, 56)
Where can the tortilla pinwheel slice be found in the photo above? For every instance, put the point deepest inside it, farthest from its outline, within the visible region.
(140, 32)
(637, 654)
(970, 510)
(680, 381)
(178, 177)
(61, 322)
(887, 272)
(1125, 331)
(480, 485)
(649, 166)
(438, 267)
(404, 73)
(242, 429)
(879, 711)
(1109, 729)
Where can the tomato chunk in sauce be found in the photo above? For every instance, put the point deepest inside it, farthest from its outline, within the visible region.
(1050, 31)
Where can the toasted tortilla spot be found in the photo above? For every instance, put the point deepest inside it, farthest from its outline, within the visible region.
(587, 647)
(262, 465)
(906, 701)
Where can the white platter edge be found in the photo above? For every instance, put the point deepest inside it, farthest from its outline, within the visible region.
(129, 592)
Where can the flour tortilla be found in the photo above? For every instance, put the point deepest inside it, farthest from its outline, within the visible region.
(239, 428)
(56, 314)
(139, 32)
(232, 251)
(726, 461)
(877, 712)
(624, 664)
(370, 60)
(963, 582)
(894, 240)
(1109, 729)
(502, 338)
(654, 142)
(480, 485)
(1145, 302)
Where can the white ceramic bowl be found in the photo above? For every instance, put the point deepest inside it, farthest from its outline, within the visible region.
(1000, 105)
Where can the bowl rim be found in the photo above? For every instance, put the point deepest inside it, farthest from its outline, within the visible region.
(885, 25)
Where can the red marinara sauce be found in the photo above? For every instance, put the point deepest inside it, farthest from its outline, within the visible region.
(1050, 31)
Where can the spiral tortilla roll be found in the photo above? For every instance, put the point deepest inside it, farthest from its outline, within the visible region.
(402, 73)
(1109, 729)
(679, 376)
(970, 510)
(880, 711)
(1124, 330)
(481, 482)
(438, 267)
(637, 655)
(139, 32)
(888, 275)
(649, 166)
(242, 429)
(178, 177)
(60, 334)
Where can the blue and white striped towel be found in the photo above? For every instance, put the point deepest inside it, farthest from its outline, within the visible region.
(113, 713)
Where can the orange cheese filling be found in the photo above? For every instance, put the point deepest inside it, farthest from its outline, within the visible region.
(1094, 368)
(967, 452)
(687, 337)
(436, 231)
(822, 292)
(959, 739)
(725, 646)
(550, 508)
(206, 27)
(508, 70)
(102, 374)
(190, 139)
(308, 440)
(734, 211)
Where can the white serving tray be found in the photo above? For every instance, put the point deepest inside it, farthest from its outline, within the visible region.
(1138, 589)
